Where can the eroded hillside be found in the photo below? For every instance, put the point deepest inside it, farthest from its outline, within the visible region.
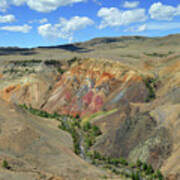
(136, 107)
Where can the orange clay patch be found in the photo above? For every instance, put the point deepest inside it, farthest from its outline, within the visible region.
(136, 78)
(7, 92)
(104, 77)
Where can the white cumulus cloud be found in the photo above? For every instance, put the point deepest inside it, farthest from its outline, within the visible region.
(40, 21)
(9, 18)
(138, 29)
(131, 4)
(158, 11)
(114, 17)
(142, 28)
(38, 5)
(23, 29)
(154, 26)
(163, 26)
(44, 20)
(65, 28)
(3, 5)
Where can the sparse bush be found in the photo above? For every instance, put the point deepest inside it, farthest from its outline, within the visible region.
(127, 175)
(86, 126)
(71, 61)
(96, 131)
(131, 165)
(144, 166)
(139, 163)
(135, 176)
(77, 148)
(159, 175)
(104, 177)
(149, 169)
(155, 54)
(123, 161)
(96, 155)
(88, 142)
(150, 84)
(114, 161)
(115, 171)
(77, 116)
(61, 71)
(5, 164)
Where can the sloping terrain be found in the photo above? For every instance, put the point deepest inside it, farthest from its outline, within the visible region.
(129, 87)
(36, 149)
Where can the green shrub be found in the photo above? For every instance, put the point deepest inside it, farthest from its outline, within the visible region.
(77, 116)
(149, 169)
(114, 161)
(135, 176)
(71, 61)
(104, 177)
(131, 165)
(96, 155)
(86, 126)
(5, 164)
(61, 71)
(144, 166)
(159, 175)
(96, 131)
(123, 161)
(77, 149)
(94, 161)
(76, 123)
(88, 142)
(139, 163)
(155, 54)
(115, 171)
(150, 84)
(62, 126)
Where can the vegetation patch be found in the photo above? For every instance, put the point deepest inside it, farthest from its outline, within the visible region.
(20, 72)
(98, 114)
(52, 62)
(29, 66)
(155, 54)
(73, 60)
(60, 70)
(83, 134)
(151, 85)
(5, 165)
(26, 62)
(84, 137)
(119, 166)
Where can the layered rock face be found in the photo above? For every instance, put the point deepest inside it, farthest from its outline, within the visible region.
(87, 87)
(91, 85)
(136, 107)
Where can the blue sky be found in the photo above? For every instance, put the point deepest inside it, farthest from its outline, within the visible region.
(31, 23)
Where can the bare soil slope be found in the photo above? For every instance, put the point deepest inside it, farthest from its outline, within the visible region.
(36, 149)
